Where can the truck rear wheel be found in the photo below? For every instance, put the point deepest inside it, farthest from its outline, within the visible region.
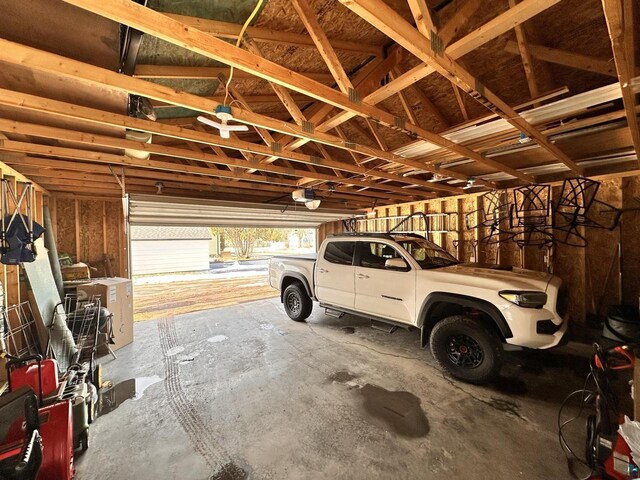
(297, 303)
(468, 349)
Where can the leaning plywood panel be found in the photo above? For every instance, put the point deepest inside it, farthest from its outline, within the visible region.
(47, 300)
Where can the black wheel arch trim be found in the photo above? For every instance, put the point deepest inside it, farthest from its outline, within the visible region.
(301, 278)
(465, 301)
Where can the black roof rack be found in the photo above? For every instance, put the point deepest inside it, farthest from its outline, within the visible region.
(362, 234)
(388, 236)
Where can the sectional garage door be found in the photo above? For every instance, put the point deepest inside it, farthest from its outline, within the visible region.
(161, 210)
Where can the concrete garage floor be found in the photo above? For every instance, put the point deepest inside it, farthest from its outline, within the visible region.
(244, 388)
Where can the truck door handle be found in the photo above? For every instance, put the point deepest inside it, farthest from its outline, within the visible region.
(362, 275)
(322, 270)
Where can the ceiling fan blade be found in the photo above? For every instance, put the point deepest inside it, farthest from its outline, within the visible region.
(237, 128)
(211, 123)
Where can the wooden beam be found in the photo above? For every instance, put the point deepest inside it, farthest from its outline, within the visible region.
(458, 20)
(380, 15)
(567, 59)
(61, 168)
(264, 35)
(376, 134)
(44, 61)
(11, 172)
(460, 101)
(197, 73)
(427, 104)
(630, 34)
(406, 106)
(54, 107)
(249, 99)
(133, 178)
(423, 18)
(487, 32)
(619, 17)
(525, 55)
(104, 141)
(280, 90)
(167, 29)
(328, 54)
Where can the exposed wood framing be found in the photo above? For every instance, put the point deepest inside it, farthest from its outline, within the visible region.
(423, 18)
(392, 24)
(249, 100)
(196, 73)
(406, 105)
(619, 15)
(44, 61)
(113, 142)
(567, 59)
(460, 101)
(485, 33)
(55, 168)
(427, 104)
(525, 55)
(459, 19)
(264, 35)
(283, 94)
(170, 30)
(308, 17)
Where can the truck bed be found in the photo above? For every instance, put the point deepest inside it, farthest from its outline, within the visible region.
(299, 267)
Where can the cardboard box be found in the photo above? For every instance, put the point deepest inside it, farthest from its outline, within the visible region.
(116, 294)
(79, 271)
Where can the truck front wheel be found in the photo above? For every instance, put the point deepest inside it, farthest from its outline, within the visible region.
(297, 303)
(467, 349)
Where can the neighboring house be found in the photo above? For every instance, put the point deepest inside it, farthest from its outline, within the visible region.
(169, 249)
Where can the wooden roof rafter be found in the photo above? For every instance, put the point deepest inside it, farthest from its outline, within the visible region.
(478, 37)
(55, 167)
(48, 62)
(308, 17)
(168, 29)
(200, 73)
(619, 15)
(40, 131)
(526, 57)
(391, 23)
(265, 35)
(587, 63)
(458, 20)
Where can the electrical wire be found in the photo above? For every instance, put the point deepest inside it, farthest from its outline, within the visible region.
(588, 396)
(238, 41)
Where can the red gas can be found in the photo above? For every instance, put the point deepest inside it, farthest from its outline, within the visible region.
(31, 371)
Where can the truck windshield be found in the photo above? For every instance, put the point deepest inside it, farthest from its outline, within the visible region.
(428, 254)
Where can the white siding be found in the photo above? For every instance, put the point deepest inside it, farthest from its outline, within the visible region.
(168, 256)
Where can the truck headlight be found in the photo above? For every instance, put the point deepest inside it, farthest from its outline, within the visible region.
(526, 299)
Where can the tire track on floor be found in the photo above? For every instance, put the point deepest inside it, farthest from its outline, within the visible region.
(202, 439)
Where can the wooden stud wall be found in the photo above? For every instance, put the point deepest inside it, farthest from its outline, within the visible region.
(591, 274)
(13, 288)
(88, 229)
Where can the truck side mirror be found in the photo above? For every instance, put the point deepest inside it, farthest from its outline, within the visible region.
(396, 264)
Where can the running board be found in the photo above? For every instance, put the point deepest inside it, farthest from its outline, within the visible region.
(333, 313)
(383, 327)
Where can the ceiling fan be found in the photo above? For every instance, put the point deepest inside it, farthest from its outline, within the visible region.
(223, 113)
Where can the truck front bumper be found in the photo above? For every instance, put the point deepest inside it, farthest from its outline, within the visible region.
(535, 339)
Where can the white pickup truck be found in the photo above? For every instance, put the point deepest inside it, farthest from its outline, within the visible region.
(466, 312)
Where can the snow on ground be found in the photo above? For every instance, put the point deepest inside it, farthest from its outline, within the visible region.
(218, 274)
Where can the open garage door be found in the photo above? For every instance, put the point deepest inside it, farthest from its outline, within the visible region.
(154, 210)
